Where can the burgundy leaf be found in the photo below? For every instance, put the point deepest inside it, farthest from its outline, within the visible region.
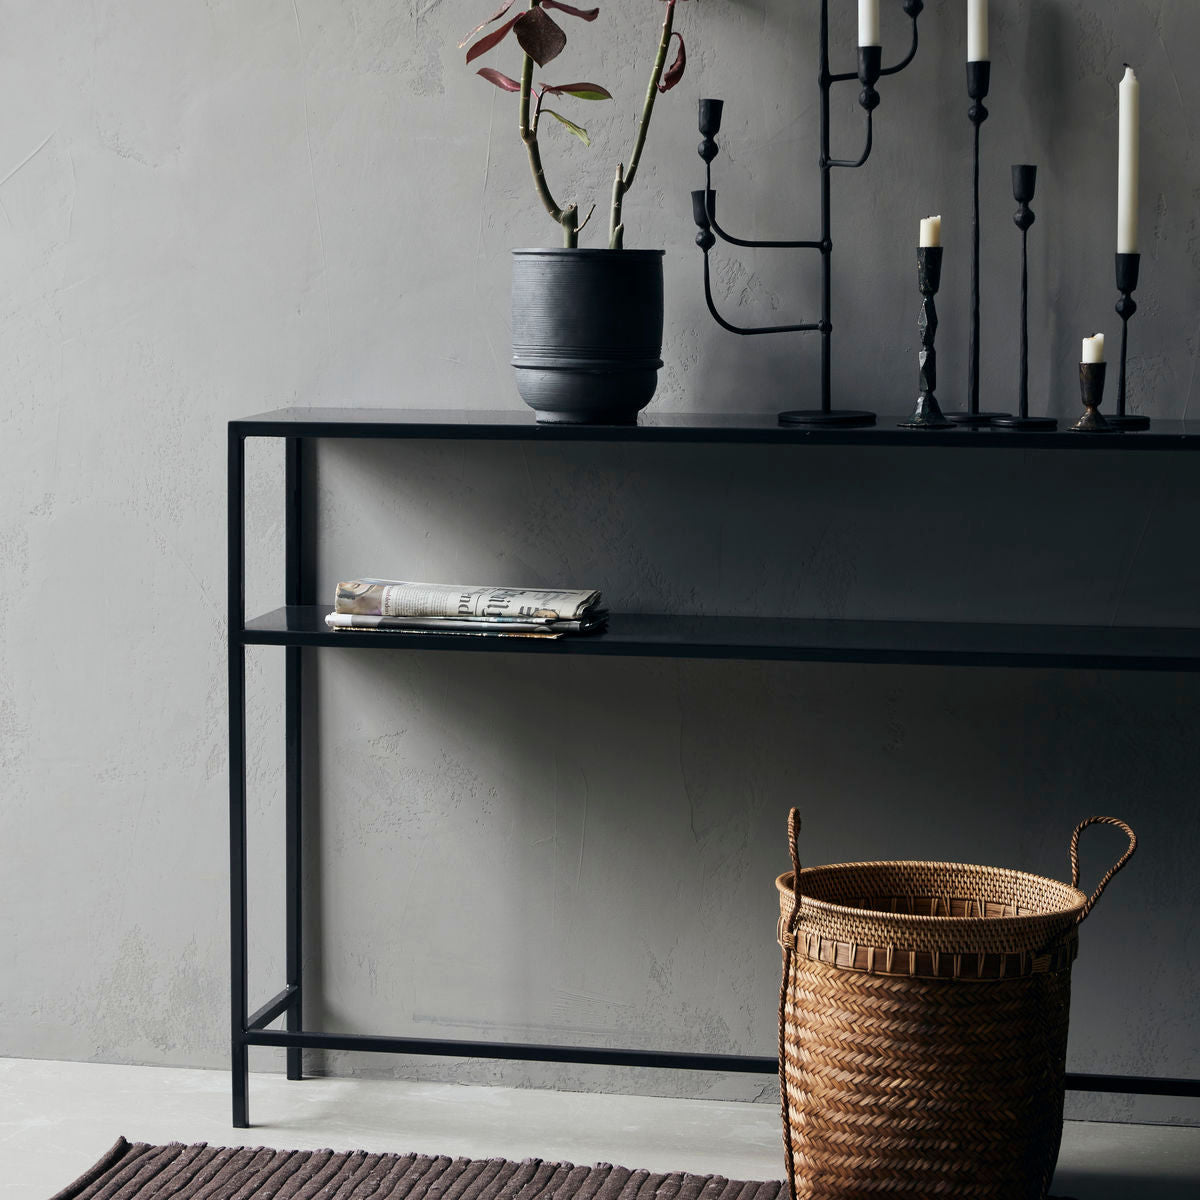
(584, 14)
(494, 38)
(501, 81)
(581, 91)
(674, 73)
(539, 36)
(494, 17)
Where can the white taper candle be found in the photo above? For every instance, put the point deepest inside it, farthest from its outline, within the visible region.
(1127, 163)
(868, 22)
(931, 231)
(977, 30)
(1093, 349)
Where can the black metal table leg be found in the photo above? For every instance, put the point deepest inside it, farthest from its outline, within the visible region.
(294, 884)
(239, 990)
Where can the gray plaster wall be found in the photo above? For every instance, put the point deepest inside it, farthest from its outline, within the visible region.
(212, 209)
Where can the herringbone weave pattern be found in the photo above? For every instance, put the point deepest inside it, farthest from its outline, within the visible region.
(917, 1087)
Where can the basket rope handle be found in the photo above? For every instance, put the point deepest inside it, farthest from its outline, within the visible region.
(794, 850)
(1087, 908)
(788, 954)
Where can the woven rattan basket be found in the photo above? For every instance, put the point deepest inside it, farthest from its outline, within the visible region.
(923, 1025)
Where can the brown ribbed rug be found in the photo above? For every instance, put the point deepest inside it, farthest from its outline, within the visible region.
(137, 1171)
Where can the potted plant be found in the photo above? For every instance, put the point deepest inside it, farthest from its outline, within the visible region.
(586, 323)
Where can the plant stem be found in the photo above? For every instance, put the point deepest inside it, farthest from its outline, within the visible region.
(570, 227)
(616, 235)
(624, 184)
(568, 218)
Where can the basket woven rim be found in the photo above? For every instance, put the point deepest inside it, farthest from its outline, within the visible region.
(785, 887)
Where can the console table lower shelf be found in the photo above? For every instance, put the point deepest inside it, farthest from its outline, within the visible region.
(784, 639)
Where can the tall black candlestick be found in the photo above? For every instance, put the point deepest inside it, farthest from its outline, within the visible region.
(1024, 180)
(979, 78)
(1127, 280)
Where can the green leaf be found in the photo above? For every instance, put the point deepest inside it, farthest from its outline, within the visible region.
(581, 91)
(577, 130)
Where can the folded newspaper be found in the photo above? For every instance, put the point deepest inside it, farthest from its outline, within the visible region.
(465, 609)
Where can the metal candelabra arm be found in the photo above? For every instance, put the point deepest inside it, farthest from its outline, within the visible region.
(749, 331)
(914, 10)
(702, 209)
(854, 163)
(706, 214)
(711, 216)
(870, 71)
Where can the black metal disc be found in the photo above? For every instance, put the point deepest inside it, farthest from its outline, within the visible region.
(1042, 423)
(970, 418)
(1129, 423)
(817, 416)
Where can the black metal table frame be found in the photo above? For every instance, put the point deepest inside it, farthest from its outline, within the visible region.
(299, 427)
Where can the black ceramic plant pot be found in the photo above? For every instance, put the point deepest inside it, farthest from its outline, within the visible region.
(587, 333)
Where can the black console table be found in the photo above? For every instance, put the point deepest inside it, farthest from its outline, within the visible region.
(300, 624)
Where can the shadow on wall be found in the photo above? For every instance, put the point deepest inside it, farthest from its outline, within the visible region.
(917, 534)
(583, 850)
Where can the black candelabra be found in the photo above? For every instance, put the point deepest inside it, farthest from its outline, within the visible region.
(704, 208)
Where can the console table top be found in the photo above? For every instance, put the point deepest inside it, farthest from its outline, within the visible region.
(663, 427)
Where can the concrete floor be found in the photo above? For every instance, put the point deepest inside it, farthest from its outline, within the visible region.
(57, 1118)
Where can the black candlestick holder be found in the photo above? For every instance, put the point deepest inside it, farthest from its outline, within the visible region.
(979, 80)
(1091, 390)
(1024, 180)
(1128, 266)
(704, 208)
(927, 414)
